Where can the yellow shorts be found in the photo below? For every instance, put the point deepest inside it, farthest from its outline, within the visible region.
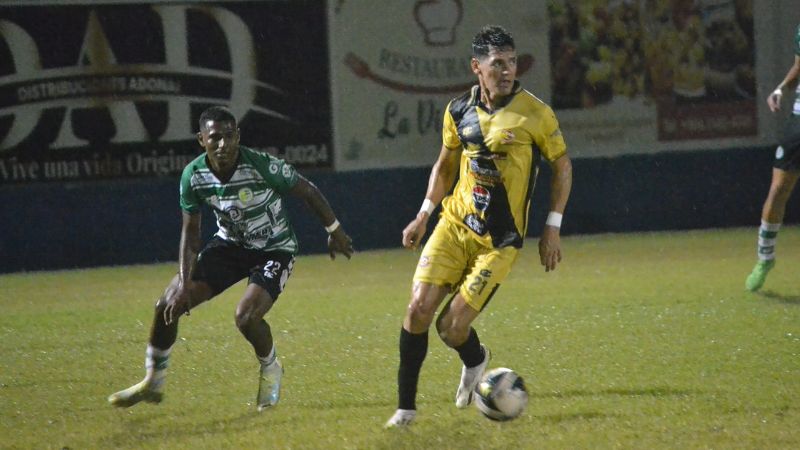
(452, 257)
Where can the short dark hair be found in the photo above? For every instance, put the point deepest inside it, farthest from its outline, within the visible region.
(489, 37)
(217, 114)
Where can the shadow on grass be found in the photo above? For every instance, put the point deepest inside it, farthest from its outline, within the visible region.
(648, 392)
(788, 299)
(149, 431)
(586, 415)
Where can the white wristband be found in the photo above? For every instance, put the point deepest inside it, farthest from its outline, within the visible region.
(554, 219)
(332, 227)
(427, 206)
(777, 91)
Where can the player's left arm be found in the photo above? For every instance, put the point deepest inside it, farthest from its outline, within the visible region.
(560, 187)
(338, 240)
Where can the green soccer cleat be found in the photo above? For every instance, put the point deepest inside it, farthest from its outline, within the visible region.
(269, 385)
(758, 276)
(143, 391)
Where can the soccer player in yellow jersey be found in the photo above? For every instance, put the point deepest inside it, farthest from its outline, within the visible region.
(493, 137)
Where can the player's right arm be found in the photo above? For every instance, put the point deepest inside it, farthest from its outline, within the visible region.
(442, 177)
(180, 302)
(774, 99)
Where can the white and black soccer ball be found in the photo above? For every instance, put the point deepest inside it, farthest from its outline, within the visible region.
(501, 395)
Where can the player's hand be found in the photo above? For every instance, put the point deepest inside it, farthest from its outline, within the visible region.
(774, 100)
(550, 248)
(178, 303)
(415, 231)
(340, 242)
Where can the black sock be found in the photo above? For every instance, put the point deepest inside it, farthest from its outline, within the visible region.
(413, 348)
(470, 351)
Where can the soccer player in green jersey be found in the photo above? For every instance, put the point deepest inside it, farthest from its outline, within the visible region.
(785, 172)
(493, 138)
(246, 191)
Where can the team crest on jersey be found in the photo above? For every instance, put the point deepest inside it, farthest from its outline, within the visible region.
(779, 152)
(424, 261)
(245, 194)
(506, 136)
(481, 197)
(273, 168)
(234, 213)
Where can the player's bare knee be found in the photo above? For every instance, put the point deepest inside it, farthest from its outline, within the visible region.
(420, 313)
(242, 318)
(247, 317)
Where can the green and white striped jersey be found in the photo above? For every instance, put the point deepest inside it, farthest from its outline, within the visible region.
(249, 207)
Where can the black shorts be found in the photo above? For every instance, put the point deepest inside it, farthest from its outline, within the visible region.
(787, 155)
(222, 264)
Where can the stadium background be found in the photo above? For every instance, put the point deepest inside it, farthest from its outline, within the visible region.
(97, 119)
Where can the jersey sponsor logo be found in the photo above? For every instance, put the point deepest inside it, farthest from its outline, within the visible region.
(486, 173)
(424, 261)
(507, 136)
(245, 195)
(273, 168)
(475, 224)
(779, 152)
(264, 232)
(287, 171)
(489, 172)
(481, 197)
(234, 213)
(276, 207)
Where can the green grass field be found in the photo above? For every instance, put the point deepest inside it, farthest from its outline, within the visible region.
(636, 341)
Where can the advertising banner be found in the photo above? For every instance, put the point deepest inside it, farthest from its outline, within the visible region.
(395, 65)
(650, 75)
(94, 91)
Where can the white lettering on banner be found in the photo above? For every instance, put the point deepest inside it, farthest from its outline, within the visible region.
(99, 79)
(25, 58)
(298, 154)
(155, 164)
(420, 67)
(97, 50)
(98, 166)
(12, 169)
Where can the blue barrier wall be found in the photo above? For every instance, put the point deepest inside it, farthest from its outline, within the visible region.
(56, 225)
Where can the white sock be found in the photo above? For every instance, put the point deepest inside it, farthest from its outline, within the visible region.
(767, 235)
(269, 359)
(156, 361)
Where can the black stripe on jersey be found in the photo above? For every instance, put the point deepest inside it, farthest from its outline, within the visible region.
(499, 220)
(536, 157)
(489, 298)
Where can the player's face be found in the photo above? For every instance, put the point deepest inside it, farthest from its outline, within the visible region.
(221, 143)
(497, 71)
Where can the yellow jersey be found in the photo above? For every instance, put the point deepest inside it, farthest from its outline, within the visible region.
(501, 151)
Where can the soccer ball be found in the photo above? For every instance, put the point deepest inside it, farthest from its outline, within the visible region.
(501, 395)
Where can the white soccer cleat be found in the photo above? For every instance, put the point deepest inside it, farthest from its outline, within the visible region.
(469, 380)
(269, 385)
(145, 391)
(401, 418)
